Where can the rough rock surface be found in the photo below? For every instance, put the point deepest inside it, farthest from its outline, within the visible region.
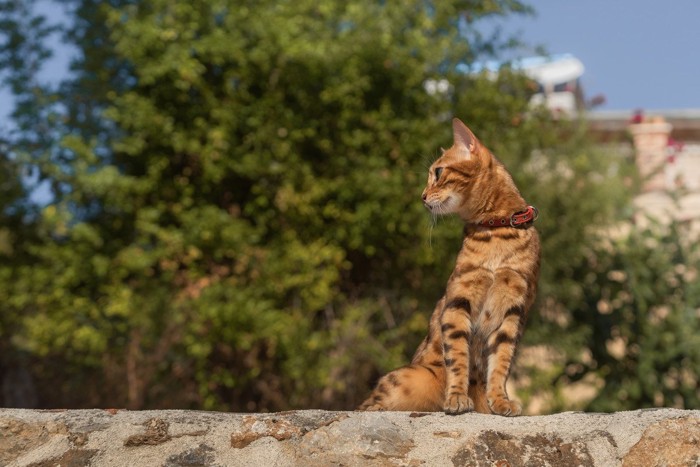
(36, 438)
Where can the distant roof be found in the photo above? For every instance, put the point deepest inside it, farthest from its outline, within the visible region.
(546, 70)
(668, 114)
(607, 124)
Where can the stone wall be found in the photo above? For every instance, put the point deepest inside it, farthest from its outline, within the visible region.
(317, 438)
(650, 139)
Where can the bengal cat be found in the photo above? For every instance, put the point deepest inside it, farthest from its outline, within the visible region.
(464, 361)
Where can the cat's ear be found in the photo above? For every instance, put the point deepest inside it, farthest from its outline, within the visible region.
(464, 140)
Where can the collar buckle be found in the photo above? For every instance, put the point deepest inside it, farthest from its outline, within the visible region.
(527, 216)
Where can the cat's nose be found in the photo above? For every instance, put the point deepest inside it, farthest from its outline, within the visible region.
(425, 195)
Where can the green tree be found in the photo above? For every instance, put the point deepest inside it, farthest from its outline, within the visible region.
(12, 232)
(229, 194)
(642, 304)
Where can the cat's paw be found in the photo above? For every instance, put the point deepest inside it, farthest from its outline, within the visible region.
(371, 405)
(458, 403)
(505, 407)
(373, 408)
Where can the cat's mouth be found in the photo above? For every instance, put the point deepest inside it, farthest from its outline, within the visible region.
(436, 206)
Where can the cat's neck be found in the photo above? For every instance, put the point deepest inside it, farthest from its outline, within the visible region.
(499, 198)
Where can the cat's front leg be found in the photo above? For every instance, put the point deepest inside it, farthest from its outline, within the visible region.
(501, 349)
(505, 302)
(455, 326)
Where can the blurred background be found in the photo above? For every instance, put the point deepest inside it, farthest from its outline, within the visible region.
(215, 204)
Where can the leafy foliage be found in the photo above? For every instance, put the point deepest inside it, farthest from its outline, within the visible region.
(642, 303)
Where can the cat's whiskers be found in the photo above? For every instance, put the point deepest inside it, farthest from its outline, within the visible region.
(433, 223)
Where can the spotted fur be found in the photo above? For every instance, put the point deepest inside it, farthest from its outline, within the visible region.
(464, 361)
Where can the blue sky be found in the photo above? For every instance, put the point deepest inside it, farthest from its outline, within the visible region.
(638, 53)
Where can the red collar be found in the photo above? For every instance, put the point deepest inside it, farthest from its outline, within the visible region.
(520, 219)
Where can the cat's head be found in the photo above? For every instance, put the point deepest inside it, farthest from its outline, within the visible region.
(464, 177)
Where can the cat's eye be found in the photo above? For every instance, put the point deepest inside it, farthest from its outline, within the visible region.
(438, 171)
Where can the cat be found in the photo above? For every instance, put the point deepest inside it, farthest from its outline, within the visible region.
(463, 363)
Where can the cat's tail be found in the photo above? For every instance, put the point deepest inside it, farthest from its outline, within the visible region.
(415, 387)
(477, 392)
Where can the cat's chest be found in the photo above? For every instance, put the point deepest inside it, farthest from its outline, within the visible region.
(490, 254)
